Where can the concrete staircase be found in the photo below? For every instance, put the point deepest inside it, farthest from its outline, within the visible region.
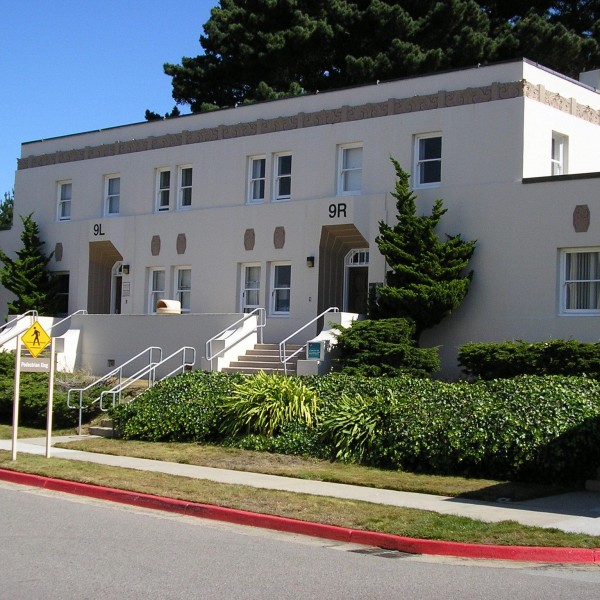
(104, 429)
(265, 357)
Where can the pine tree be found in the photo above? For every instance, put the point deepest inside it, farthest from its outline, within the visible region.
(426, 281)
(28, 277)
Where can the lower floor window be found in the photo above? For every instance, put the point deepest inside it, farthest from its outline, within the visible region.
(183, 290)
(281, 283)
(581, 280)
(156, 288)
(62, 293)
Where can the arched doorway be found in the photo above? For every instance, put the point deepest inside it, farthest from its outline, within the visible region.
(102, 282)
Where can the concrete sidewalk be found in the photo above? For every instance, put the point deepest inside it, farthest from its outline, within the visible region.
(577, 512)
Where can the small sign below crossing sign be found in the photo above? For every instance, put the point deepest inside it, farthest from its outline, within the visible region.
(35, 339)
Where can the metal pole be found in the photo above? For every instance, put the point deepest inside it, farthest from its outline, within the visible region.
(16, 398)
(50, 400)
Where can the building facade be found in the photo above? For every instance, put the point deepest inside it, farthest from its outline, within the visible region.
(277, 204)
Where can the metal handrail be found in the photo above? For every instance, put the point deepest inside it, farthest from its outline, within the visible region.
(118, 370)
(261, 322)
(282, 354)
(149, 370)
(81, 311)
(31, 313)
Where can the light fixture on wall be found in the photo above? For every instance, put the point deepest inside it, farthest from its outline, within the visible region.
(125, 270)
(310, 261)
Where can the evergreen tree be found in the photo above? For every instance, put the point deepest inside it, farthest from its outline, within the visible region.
(426, 281)
(266, 49)
(6, 211)
(27, 277)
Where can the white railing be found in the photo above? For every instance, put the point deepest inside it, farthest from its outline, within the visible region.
(32, 314)
(153, 352)
(283, 358)
(81, 311)
(261, 321)
(188, 360)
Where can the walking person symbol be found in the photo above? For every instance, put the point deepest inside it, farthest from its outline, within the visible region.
(36, 336)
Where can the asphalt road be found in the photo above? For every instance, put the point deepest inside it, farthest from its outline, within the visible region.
(57, 546)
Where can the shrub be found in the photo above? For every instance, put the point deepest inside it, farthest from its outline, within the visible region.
(33, 398)
(509, 359)
(264, 403)
(383, 348)
(182, 408)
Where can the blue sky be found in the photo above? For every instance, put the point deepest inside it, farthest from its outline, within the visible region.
(69, 66)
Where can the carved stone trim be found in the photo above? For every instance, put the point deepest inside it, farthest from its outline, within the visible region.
(581, 218)
(155, 245)
(279, 238)
(371, 110)
(181, 243)
(58, 252)
(249, 239)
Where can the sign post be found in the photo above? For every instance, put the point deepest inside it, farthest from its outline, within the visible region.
(35, 339)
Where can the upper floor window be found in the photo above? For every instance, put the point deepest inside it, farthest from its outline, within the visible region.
(428, 160)
(256, 178)
(184, 194)
(65, 190)
(283, 177)
(350, 169)
(558, 159)
(112, 195)
(163, 189)
(183, 287)
(580, 279)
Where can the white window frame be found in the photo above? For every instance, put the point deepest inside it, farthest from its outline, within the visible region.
(247, 288)
(573, 284)
(182, 190)
(421, 162)
(110, 197)
(279, 177)
(559, 154)
(154, 293)
(182, 293)
(64, 204)
(163, 191)
(276, 289)
(254, 179)
(346, 173)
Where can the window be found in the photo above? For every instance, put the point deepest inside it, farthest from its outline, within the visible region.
(256, 178)
(183, 287)
(62, 293)
(112, 195)
(350, 170)
(581, 281)
(559, 154)
(156, 288)
(283, 177)
(281, 279)
(184, 194)
(428, 161)
(64, 200)
(250, 288)
(163, 189)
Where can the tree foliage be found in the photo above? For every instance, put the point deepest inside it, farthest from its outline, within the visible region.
(426, 280)
(265, 49)
(28, 277)
(6, 210)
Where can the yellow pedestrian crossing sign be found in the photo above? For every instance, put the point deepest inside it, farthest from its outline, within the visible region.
(35, 339)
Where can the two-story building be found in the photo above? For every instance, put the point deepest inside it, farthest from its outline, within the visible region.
(277, 204)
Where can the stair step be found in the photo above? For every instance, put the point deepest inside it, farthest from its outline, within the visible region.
(252, 370)
(107, 432)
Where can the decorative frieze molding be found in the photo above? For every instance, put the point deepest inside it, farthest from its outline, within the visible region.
(370, 110)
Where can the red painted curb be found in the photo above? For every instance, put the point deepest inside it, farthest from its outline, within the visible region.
(332, 532)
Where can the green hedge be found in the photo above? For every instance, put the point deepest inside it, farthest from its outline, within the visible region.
(509, 359)
(532, 428)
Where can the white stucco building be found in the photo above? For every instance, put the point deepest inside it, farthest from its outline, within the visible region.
(277, 204)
